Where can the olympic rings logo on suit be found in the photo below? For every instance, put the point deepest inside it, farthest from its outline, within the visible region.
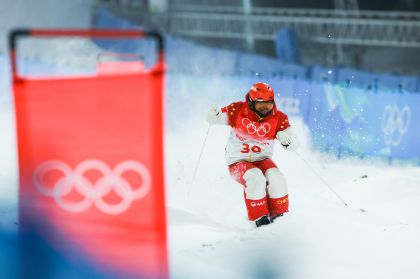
(93, 193)
(395, 123)
(261, 129)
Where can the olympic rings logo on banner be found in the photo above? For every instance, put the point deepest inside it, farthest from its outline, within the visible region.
(252, 127)
(395, 122)
(93, 193)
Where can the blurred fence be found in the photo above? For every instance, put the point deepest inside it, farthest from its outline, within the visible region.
(348, 111)
(342, 120)
(188, 57)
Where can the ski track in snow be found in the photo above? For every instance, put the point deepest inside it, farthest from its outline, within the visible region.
(210, 237)
(319, 238)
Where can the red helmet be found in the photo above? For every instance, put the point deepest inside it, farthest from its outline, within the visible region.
(261, 92)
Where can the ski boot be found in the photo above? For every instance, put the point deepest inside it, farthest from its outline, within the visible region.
(264, 220)
(272, 218)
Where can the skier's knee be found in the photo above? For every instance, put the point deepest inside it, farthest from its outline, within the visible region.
(277, 185)
(255, 184)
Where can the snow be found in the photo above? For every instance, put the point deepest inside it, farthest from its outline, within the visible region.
(210, 237)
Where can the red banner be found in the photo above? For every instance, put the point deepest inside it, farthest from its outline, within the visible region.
(91, 168)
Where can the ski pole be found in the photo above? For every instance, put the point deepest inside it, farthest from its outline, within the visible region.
(199, 159)
(322, 179)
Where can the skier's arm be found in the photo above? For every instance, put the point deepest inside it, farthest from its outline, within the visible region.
(288, 139)
(216, 116)
(286, 135)
(224, 116)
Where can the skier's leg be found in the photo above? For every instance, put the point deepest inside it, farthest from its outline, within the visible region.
(255, 194)
(278, 201)
(255, 188)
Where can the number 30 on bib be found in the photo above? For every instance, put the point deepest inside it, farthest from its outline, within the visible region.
(254, 148)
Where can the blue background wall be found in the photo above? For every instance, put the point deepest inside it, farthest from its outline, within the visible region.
(349, 112)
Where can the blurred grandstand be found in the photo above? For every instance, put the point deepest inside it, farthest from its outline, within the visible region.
(347, 69)
(378, 36)
(342, 70)
(342, 57)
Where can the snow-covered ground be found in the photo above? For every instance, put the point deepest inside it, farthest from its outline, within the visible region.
(210, 237)
(375, 236)
(320, 237)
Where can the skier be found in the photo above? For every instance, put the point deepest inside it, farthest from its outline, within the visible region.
(255, 124)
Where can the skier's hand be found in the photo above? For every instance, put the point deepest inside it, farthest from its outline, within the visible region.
(212, 115)
(287, 140)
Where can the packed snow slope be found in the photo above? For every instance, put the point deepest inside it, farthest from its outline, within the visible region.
(375, 236)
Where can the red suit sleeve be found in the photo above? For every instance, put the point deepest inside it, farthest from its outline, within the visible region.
(283, 123)
(232, 112)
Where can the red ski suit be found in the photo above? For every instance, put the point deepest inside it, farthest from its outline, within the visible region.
(248, 154)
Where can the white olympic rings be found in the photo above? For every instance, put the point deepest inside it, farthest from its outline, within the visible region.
(93, 193)
(395, 123)
(261, 129)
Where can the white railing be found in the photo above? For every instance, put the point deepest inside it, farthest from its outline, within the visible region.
(353, 27)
